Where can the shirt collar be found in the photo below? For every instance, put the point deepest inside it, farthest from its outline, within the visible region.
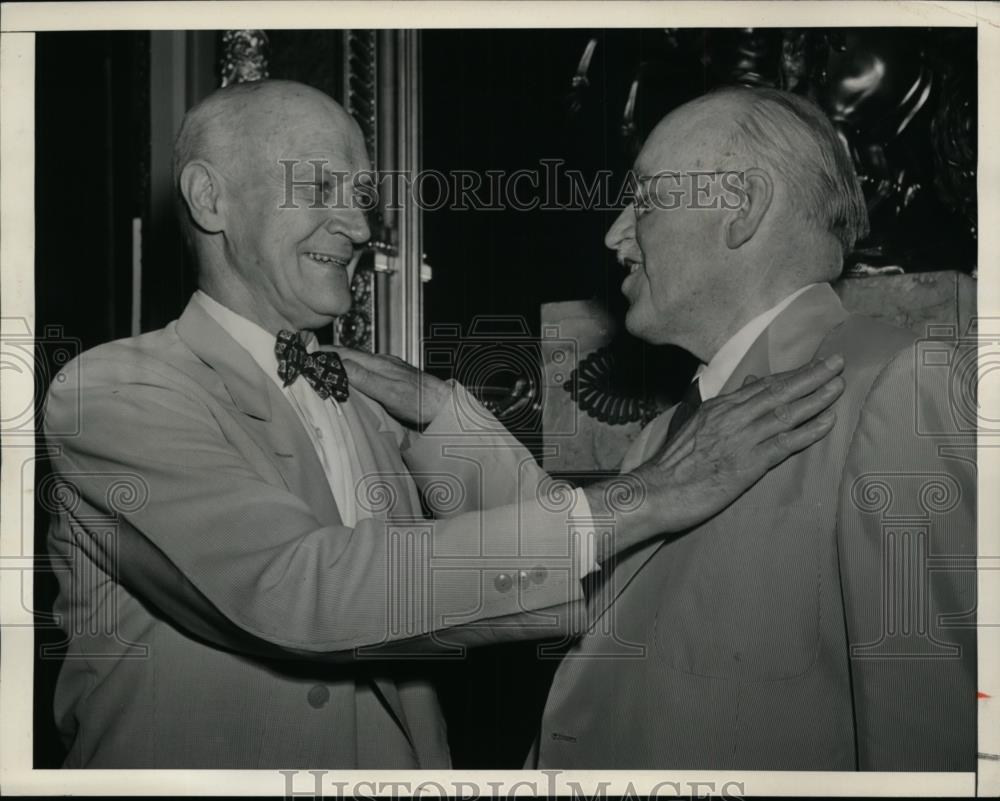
(255, 340)
(713, 376)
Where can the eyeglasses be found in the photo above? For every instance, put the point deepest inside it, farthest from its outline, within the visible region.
(700, 189)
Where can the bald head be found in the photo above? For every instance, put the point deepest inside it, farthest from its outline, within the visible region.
(696, 136)
(246, 123)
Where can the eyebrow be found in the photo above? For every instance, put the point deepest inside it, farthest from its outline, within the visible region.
(677, 173)
(664, 174)
(326, 174)
(644, 178)
(643, 181)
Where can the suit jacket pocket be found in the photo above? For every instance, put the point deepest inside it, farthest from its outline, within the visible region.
(741, 598)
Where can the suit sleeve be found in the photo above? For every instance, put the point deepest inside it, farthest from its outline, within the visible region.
(467, 442)
(907, 545)
(237, 559)
(491, 469)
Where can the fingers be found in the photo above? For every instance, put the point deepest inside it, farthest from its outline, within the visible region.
(368, 381)
(375, 362)
(786, 416)
(779, 388)
(778, 448)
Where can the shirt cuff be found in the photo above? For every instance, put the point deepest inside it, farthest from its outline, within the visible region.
(587, 554)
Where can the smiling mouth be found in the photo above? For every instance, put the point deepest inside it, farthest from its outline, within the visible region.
(630, 265)
(325, 258)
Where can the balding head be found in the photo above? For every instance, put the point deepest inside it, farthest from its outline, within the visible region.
(737, 128)
(745, 195)
(245, 124)
(256, 165)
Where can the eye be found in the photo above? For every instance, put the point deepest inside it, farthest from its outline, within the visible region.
(365, 196)
(641, 204)
(314, 193)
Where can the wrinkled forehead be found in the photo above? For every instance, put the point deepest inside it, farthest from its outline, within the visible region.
(303, 132)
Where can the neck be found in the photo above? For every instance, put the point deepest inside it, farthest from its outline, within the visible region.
(238, 299)
(223, 284)
(754, 302)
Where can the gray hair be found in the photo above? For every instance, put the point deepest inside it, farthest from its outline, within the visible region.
(791, 135)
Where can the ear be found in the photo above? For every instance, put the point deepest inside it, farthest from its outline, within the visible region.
(201, 188)
(755, 197)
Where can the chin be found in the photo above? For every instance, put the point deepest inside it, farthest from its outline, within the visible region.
(339, 304)
(649, 334)
(315, 316)
(331, 312)
(634, 325)
(328, 305)
(312, 323)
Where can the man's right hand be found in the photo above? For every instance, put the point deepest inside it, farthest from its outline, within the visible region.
(726, 447)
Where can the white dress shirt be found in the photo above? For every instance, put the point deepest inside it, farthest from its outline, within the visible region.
(712, 377)
(323, 420)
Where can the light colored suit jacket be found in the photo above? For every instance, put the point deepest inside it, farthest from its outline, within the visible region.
(825, 620)
(220, 615)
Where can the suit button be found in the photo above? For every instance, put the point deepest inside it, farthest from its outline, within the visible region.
(523, 578)
(318, 696)
(503, 583)
(539, 574)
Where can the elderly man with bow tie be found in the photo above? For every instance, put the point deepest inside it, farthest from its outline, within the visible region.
(249, 608)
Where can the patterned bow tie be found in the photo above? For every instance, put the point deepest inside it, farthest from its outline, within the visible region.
(322, 369)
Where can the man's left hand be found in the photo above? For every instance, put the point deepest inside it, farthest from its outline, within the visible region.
(408, 394)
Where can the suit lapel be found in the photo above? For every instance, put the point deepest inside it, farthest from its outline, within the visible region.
(285, 436)
(270, 419)
(267, 416)
(790, 341)
(379, 457)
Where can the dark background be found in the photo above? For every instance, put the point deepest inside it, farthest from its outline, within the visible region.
(491, 100)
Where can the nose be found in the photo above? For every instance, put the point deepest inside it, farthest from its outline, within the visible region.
(352, 223)
(622, 229)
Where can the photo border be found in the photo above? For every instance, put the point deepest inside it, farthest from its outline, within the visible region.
(19, 21)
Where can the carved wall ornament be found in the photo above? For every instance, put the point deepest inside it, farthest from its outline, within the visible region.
(244, 56)
(594, 387)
